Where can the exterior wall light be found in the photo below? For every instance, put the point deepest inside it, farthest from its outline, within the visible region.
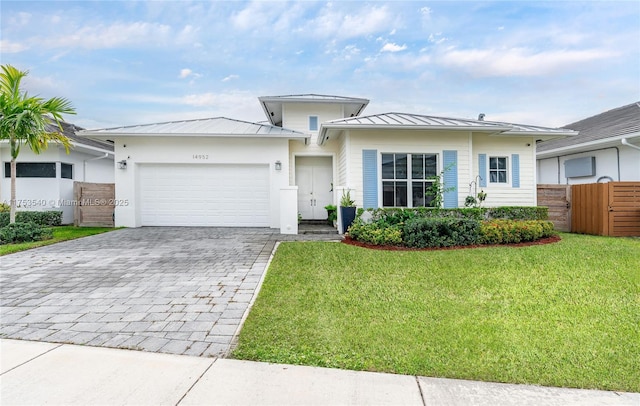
(278, 165)
(122, 164)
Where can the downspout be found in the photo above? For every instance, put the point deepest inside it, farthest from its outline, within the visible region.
(628, 144)
(84, 165)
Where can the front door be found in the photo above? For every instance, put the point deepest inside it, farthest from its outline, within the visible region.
(314, 178)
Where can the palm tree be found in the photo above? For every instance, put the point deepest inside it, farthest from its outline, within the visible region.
(24, 120)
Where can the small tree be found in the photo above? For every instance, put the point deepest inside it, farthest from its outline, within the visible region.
(25, 119)
(437, 190)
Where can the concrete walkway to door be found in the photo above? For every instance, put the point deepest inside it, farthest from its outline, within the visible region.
(175, 290)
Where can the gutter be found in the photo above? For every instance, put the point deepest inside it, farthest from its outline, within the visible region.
(628, 144)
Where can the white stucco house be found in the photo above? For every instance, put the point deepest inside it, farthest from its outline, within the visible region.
(225, 172)
(45, 181)
(607, 148)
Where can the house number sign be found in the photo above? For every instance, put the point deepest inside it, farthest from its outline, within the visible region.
(200, 156)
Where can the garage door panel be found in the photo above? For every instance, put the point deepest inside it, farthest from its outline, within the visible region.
(204, 195)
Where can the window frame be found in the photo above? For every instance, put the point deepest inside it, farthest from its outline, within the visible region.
(406, 184)
(498, 170)
(62, 171)
(7, 170)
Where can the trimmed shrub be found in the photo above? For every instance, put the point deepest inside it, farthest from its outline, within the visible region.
(393, 215)
(377, 233)
(519, 213)
(24, 232)
(43, 218)
(436, 232)
(512, 231)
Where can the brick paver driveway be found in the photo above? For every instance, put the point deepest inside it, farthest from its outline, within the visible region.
(174, 290)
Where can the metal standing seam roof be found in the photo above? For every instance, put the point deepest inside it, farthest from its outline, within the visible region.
(617, 122)
(410, 120)
(217, 126)
(417, 121)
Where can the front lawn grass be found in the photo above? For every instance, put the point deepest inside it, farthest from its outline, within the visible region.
(60, 233)
(565, 314)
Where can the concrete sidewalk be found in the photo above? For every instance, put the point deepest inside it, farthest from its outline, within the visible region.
(44, 373)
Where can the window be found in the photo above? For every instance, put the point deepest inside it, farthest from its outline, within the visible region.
(66, 171)
(497, 169)
(406, 178)
(31, 170)
(313, 123)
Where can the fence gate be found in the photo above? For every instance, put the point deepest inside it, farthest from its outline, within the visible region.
(611, 209)
(94, 204)
(558, 199)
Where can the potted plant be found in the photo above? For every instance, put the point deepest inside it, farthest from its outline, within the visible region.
(347, 210)
(332, 213)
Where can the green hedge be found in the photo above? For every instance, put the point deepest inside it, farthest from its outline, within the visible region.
(434, 232)
(514, 231)
(394, 215)
(376, 233)
(24, 232)
(429, 227)
(43, 218)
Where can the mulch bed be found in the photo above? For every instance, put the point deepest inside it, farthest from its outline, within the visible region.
(542, 241)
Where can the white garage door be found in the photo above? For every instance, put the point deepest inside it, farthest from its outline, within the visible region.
(204, 195)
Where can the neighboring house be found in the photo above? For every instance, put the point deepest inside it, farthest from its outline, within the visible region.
(224, 172)
(45, 181)
(607, 148)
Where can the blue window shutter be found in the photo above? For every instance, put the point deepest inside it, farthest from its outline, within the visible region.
(482, 169)
(515, 170)
(370, 178)
(450, 160)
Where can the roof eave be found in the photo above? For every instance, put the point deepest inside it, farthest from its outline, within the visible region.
(105, 135)
(325, 128)
(541, 134)
(588, 146)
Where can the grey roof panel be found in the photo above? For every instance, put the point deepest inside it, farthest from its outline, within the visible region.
(217, 126)
(617, 122)
(422, 122)
(71, 131)
(412, 120)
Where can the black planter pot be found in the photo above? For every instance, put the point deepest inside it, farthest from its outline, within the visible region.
(348, 215)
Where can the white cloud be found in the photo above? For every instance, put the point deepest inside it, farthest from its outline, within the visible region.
(437, 38)
(230, 77)
(20, 19)
(367, 21)
(185, 73)
(9, 47)
(426, 12)
(391, 47)
(112, 36)
(261, 15)
(518, 61)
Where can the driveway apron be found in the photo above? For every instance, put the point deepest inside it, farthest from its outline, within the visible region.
(165, 289)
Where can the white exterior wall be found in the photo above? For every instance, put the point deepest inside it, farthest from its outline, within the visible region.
(181, 150)
(54, 193)
(505, 194)
(388, 141)
(295, 116)
(606, 166)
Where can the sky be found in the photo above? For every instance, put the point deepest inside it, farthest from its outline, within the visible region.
(547, 63)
